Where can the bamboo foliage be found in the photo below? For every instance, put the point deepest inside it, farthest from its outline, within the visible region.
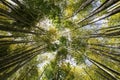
(74, 47)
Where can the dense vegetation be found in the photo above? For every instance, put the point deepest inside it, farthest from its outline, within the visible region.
(59, 40)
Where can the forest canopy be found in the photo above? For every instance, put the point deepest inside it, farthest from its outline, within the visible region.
(59, 39)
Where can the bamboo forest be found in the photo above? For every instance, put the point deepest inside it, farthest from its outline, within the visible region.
(59, 39)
